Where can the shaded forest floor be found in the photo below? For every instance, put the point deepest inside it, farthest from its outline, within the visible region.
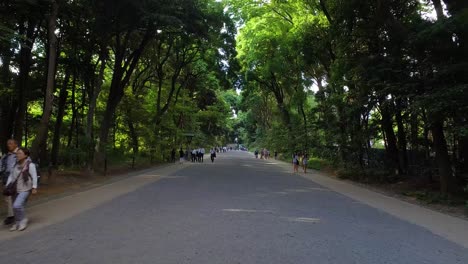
(426, 195)
(411, 191)
(423, 196)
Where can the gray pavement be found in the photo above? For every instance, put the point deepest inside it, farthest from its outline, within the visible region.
(237, 210)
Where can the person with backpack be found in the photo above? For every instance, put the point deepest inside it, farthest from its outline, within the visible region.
(7, 164)
(21, 183)
(295, 162)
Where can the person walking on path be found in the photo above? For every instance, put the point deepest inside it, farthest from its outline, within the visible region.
(24, 176)
(181, 156)
(194, 155)
(276, 155)
(256, 153)
(295, 161)
(212, 155)
(199, 159)
(7, 164)
(305, 162)
(202, 154)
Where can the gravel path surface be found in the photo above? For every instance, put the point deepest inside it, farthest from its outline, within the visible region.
(236, 210)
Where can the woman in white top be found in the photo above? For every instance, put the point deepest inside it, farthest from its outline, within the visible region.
(305, 162)
(24, 175)
(296, 162)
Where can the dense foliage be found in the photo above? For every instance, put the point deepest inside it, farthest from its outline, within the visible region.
(370, 84)
(83, 81)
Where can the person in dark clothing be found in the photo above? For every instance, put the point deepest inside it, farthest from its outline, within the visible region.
(173, 153)
(7, 164)
(181, 156)
(212, 155)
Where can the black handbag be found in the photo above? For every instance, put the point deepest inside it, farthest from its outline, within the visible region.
(10, 189)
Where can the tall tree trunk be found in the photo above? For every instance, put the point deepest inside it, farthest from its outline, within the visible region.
(402, 141)
(306, 131)
(134, 137)
(414, 131)
(442, 156)
(115, 95)
(437, 123)
(123, 70)
(96, 90)
(439, 9)
(59, 119)
(41, 137)
(22, 86)
(73, 108)
(6, 102)
(391, 142)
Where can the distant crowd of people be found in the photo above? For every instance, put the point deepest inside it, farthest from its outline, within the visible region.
(197, 155)
(298, 159)
(265, 154)
(19, 179)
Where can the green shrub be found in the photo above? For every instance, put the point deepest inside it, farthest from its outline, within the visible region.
(378, 175)
(353, 174)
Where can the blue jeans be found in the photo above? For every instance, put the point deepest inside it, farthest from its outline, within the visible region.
(18, 205)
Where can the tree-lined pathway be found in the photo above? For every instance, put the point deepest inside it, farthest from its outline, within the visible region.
(236, 210)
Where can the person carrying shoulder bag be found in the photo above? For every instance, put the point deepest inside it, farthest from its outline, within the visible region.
(21, 183)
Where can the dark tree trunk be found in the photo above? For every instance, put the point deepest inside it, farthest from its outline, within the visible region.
(438, 8)
(59, 119)
(73, 108)
(463, 153)
(391, 142)
(414, 137)
(134, 137)
(22, 86)
(402, 141)
(442, 157)
(306, 131)
(95, 91)
(115, 95)
(6, 102)
(41, 137)
(122, 73)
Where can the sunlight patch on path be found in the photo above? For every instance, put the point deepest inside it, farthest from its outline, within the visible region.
(149, 176)
(232, 210)
(304, 220)
(174, 177)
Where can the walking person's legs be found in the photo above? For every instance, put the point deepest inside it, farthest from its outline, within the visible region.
(21, 222)
(10, 214)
